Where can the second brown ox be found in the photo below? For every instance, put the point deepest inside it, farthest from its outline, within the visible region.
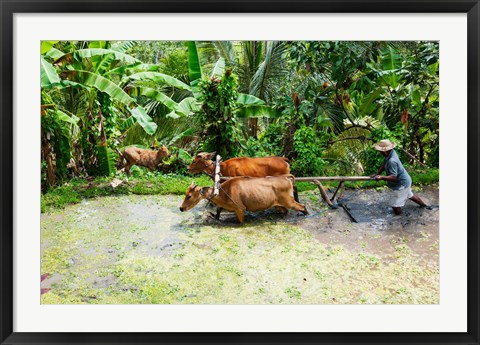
(241, 194)
(241, 166)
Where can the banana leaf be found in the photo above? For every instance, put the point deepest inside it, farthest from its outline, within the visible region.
(123, 46)
(187, 106)
(365, 108)
(246, 100)
(64, 117)
(391, 61)
(67, 83)
(157, 78)
(101, 84)
(106, 161)
(110, 88)
(98, 44)
(54, 54)
(219, 68)
(184, 156)
(185, 133)
(48, 74)
(256, 111)
(129, 122)
(45, 46)
(154, 95)
(88, 53)
(136, 67)
(144, 120)
(194, 68)
(103, 62)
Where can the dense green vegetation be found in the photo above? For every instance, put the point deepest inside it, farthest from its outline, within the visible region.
(321, 104)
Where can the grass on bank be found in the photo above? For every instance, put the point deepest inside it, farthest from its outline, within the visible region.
(75, 190)
(141, 182)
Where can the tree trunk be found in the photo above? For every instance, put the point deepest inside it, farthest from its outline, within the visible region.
(253, 127)
(421, 157)
(48, 156)
(288, 142)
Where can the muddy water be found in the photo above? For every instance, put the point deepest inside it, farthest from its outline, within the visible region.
(378, 229)
(142, 249)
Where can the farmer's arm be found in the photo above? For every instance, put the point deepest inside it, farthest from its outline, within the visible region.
(386, 178)
(392, 170)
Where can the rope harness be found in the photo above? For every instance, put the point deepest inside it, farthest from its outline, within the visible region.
(209, 199)
(212, 175)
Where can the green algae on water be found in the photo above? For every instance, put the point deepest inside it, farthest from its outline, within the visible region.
(139, 249)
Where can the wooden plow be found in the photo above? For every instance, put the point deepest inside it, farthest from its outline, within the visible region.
(330, 201)
(323, 192)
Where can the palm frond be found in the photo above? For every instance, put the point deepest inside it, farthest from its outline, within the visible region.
(208, 55)
(265, 82)
(350, 147)
(252, 54)
(226, 50)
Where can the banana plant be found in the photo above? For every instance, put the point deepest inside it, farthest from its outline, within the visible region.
(92, 70)
(65, 76)
(101, 79)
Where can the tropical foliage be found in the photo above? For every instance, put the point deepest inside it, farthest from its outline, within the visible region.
(321, 104)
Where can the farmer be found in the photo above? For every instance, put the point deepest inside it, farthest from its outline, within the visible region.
(397, 177)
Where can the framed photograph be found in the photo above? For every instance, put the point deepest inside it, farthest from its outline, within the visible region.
(235, 172)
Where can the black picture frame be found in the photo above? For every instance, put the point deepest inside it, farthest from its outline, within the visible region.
(10, 7)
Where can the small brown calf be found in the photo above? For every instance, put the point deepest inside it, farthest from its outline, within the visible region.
(144, 157)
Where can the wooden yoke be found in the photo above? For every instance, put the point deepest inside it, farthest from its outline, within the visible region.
(216, 184)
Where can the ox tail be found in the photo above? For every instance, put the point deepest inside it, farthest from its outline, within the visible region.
(294, 186)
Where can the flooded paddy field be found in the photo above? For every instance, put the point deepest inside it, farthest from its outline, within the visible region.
(143, 250)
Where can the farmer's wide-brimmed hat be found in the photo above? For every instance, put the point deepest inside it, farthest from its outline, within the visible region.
(384, 145)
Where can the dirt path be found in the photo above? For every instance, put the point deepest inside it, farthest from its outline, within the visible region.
(142, 249)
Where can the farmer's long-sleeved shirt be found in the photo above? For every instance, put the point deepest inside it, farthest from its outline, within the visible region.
(393, 166)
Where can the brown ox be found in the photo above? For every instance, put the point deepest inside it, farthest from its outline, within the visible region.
(240, 194)
(241, 166)
(144, 157)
